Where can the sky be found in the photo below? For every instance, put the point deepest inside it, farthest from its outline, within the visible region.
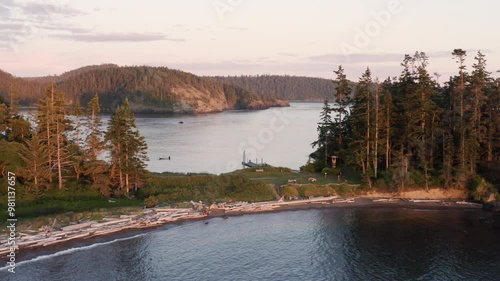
(246, 37)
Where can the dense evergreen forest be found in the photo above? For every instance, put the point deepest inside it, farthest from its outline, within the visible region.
(411, 131)
(284, 87)
(149, 89)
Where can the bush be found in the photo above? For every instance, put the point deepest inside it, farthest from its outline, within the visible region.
(289, 191)
(481, 189)
(347, 190)
(10, 155)
(319, 165)
(330, 171)
(307, 191)
(417, 178)
(207, 188)
(308, 168)
(151, 202)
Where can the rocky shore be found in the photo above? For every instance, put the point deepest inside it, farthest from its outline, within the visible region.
(149, 218)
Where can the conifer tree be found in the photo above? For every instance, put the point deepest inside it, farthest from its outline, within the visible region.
(127, 147)
(360, 119)
(4, 117)
(341, 127)
(17, 128)
(376, 109)
(387, 117)
(478, 87)
(492, 122)
(77, 113)
(426, 107)
(324, 131)
(460, 55)
(35, 170)
(52, 127)
(95, 168)
(75, 148)
(94, 143)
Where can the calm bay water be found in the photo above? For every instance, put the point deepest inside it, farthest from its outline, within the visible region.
(333, 244)
(214, 143)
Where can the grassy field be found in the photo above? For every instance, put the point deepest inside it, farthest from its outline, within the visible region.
(279, 176)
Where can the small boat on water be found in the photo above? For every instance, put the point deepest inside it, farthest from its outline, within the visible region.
(164, 158)
(182, 122)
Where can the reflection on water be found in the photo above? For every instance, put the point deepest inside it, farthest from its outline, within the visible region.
(335, 244)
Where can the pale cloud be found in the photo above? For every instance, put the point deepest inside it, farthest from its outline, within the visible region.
(285, 54)
(49, 8)
(6, 7)
(11, 26)
(22, 21)
(237, 28)
(116, 37)
(68, 28)
(356, 58)
(367, 58)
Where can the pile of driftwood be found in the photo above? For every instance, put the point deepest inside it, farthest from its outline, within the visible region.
(148, 218)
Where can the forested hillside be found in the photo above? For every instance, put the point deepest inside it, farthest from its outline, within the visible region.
(149, 89)
(284, 87)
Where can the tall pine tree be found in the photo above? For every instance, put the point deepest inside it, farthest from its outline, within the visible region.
(128, 149)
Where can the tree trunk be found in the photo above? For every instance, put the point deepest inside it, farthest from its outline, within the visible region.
(489, 156)
(93, 131)
(388, 139)
(127, 188)
(120, 172)
(431, 156)
(368, 132)
(58, 144)
(48, 124)
(375, 158)
(326, 151)
(35, 174)
(462, 125)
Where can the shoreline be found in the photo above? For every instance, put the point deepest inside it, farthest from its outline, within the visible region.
(154, 218)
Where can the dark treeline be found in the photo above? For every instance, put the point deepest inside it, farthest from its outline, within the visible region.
(149, 89)
(284, 87)
(410, 131)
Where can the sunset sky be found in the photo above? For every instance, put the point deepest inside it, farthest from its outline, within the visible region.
(235, 37)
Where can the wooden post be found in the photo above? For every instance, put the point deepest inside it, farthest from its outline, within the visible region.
(334, 161)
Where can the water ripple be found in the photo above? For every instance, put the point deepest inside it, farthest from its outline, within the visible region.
(336, 244)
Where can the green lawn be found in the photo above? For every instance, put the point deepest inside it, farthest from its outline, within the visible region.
(280, 176)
